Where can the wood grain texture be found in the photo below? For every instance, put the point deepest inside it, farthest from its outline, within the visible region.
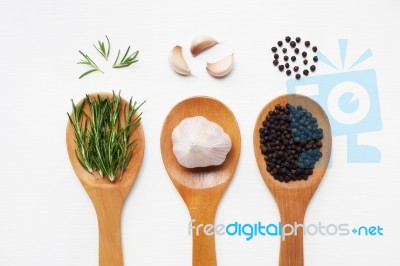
(108, 198)
(293, 198)
(201, 188)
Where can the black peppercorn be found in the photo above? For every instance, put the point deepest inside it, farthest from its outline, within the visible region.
(304, 54)
(312, 68)
(290, 142)
(315, 49)
(276, 56)
(305, 72)
(275, 62)
(293, 58)
(307, 43)
(274, 49)
(293, 44)
(298, 39)
(287, 39)
(281, 67)
(298, 76)
(287, 65)
(286, 58)
(288, 72)
(305, 61)
(296, 68)
(315, 58)
(280, 43)
(284, 50)
(297, 50)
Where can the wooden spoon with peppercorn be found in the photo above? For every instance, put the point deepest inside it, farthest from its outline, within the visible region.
(108, 197)
(279, 144)
(201, 188)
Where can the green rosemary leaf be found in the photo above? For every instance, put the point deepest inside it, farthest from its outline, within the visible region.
(102, 48)
(116, 59)
(126, 60)
(88, 61)
(87, 73)
(109, 46)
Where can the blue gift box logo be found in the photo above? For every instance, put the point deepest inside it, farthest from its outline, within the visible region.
(350, 100)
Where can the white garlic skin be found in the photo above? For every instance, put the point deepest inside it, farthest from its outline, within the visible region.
(198, 142)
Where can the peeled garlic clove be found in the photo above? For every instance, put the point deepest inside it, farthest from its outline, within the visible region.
(198, 142)
(221, 68)
(177, 61)
(201, 43)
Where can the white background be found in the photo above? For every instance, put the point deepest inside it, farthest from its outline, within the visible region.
(46, 217)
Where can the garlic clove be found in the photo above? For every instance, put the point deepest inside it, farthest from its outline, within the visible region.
(221, 68)
(201, 43)
(198, 142)
(177, 61)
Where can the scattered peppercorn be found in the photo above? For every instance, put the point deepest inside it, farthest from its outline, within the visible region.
(288, 72)
(287, 54)
(290, 141)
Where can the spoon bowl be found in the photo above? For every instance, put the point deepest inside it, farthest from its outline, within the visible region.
(201, 188)
(108, 198)
(293, 197)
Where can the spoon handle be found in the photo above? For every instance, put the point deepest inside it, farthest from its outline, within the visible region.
(203, 242)
(110, 244)
(291, 250)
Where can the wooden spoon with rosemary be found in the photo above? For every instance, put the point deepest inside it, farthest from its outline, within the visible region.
(107, 196)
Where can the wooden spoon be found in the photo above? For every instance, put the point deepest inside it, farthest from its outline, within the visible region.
(292, 198)
(201, 188)
(108, 198)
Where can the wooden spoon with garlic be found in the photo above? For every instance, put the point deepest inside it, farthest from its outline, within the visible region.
(202, 187)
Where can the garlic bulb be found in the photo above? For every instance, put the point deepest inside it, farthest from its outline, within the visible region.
(201, 43)
(177, 62)
(221, 68)
(198, 142)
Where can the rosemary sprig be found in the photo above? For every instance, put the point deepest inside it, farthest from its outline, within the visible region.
(126, 60)
(88, 61)
(82, 136)
(102, 48)
(103, 138)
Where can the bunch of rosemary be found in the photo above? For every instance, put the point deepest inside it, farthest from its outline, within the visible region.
(102, 140)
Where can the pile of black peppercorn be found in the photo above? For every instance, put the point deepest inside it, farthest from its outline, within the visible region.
(290, 141)
(294, 45)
